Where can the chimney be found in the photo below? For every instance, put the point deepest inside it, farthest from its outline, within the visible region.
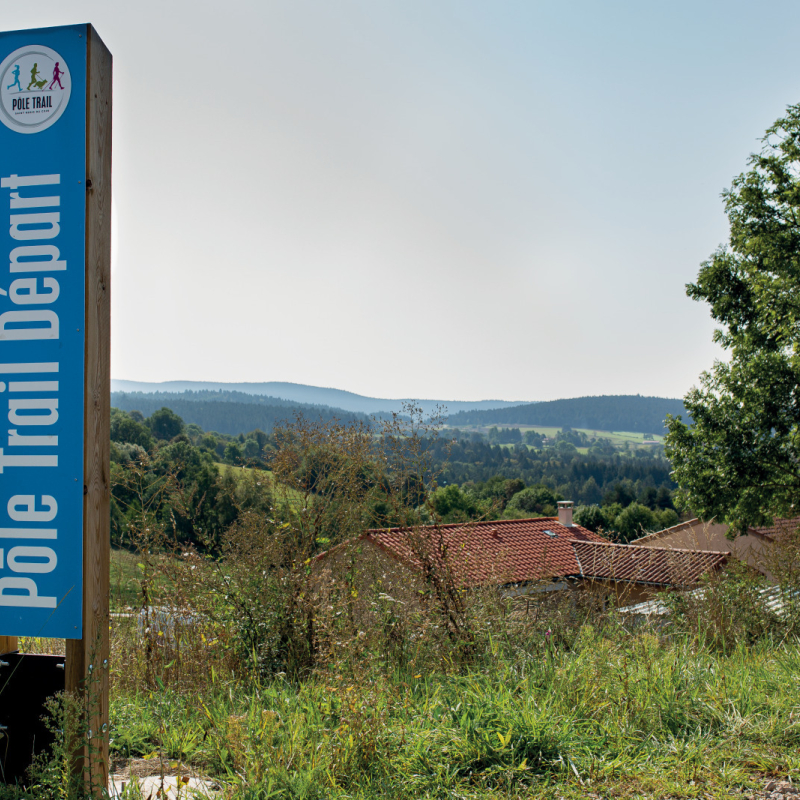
(565, 513)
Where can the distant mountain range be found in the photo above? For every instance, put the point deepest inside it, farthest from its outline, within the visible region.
(605, 413)
(310, 395)
(229, 412)
(241, 407)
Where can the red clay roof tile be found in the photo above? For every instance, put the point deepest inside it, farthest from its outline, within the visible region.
(502, 551)
(659, 565)
(778, 527)
(519, 550)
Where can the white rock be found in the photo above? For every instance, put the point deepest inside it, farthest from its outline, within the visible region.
(172, 787)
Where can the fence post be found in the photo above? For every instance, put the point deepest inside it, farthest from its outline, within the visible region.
(87, 664)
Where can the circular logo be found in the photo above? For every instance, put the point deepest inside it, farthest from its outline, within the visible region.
(34, 89)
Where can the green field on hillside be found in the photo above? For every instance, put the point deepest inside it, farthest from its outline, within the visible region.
(617, 438)
(292, 494)
(223, 468)
(128, 573)
(125, 579)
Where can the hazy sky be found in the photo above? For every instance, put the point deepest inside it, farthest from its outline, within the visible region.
(458, 199)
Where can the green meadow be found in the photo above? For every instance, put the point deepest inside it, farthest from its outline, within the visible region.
(612, 715)
(617, 438)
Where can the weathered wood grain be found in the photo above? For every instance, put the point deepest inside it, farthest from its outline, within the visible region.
(8, 644)
(87, 658)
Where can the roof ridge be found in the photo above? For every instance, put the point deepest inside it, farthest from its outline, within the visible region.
(663, 531)
(468, 524)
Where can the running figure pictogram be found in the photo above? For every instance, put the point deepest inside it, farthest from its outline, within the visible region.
(15, 73)
(57, 73)
(35, 78)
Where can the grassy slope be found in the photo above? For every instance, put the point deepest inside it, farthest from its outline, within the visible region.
(125, 579)
(628, 718)
(127, 574)
(292, 495)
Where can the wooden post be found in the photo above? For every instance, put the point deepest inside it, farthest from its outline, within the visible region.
(87, 658)
(8, 644)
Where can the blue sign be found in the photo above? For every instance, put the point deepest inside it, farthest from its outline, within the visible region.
(42, 317)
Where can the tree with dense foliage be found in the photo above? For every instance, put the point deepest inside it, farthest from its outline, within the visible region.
(533, 438)
(505, 435)
(590, 491)
(623, 493)
(534, 501)
(233, 453)
(738, 461)
(635, 521)
(165, 424)
(452, 504)
(125, 429)
(590, 517)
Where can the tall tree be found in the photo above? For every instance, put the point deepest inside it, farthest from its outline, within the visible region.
(165, 423)
(740, 459)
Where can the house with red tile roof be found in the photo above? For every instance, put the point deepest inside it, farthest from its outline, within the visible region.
(532, 553)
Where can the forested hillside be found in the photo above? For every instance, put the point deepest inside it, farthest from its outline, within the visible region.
(224, 415)
(624, 489)
(220, 395)
(312, 395)
(582, 478)
(604, 413)
(233, 411)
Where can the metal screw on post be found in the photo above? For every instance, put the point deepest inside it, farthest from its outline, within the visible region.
(3, 663)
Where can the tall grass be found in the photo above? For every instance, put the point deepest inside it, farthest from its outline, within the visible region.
(622, 714)
(556, 700)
